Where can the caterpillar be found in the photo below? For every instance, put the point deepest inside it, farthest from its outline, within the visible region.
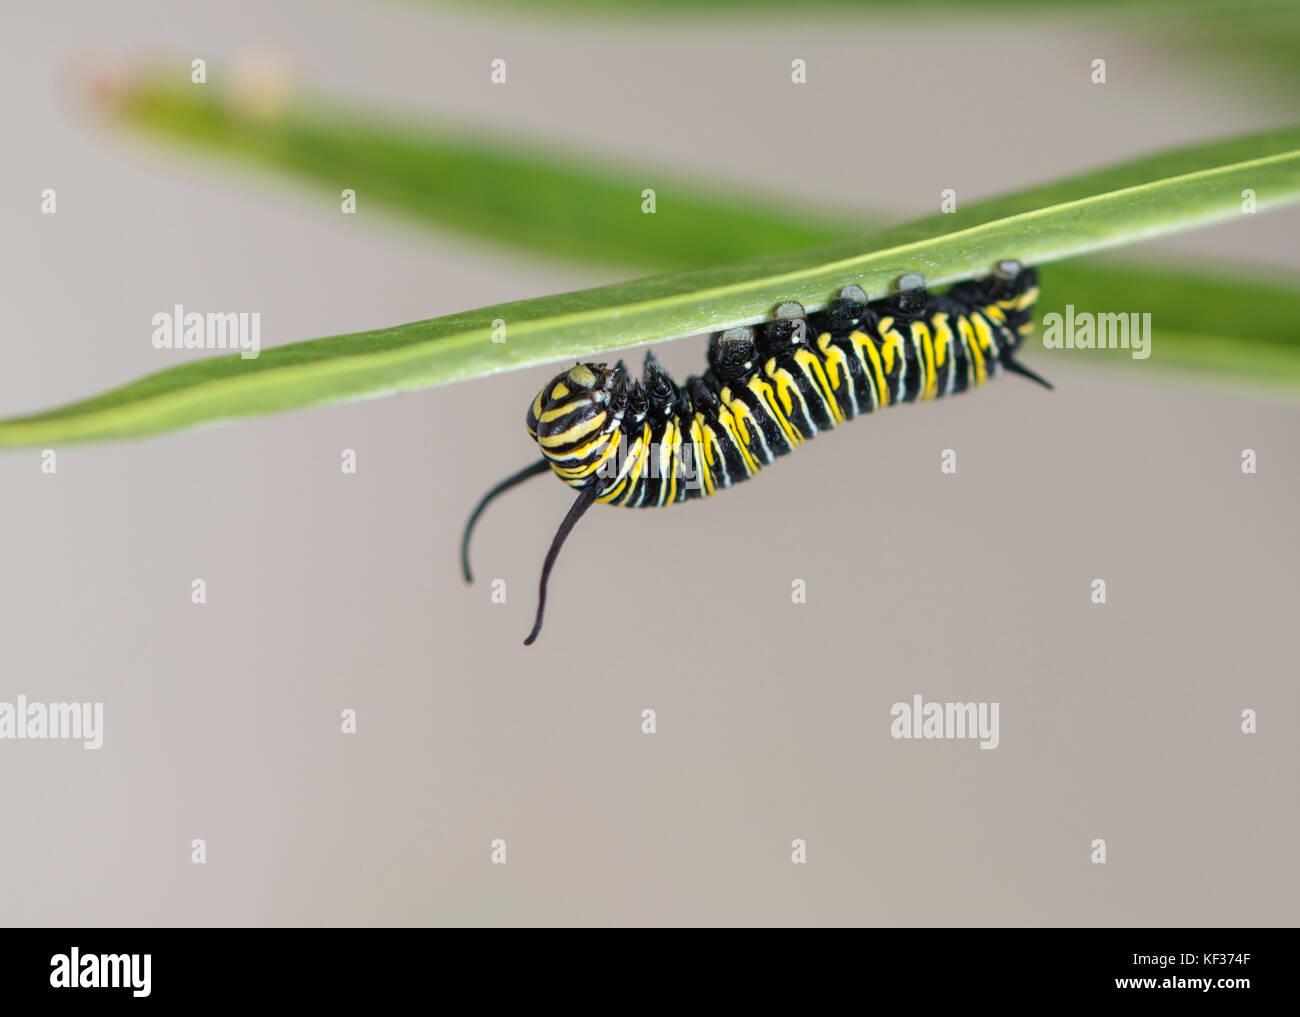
(766, 391)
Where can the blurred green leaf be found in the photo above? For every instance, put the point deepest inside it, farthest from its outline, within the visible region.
(1108, 208)
(1259, 41)
(534, 196)
(1235, 328)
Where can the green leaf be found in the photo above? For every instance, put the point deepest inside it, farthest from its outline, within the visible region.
(1108, 208)
(535, 196)
(574, 205)
(1258, 40)
(1234, 328)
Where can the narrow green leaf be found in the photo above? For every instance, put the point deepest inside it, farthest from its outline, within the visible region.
(1108, 208)
(574, 205)
(1234, 328)
(535, 196)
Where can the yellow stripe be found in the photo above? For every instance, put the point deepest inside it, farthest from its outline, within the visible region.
(575, 432)
(942, 338)
(863, 341)
(712, 447)
(587, 469)
(837, 361)
(766, 396)
(813, 368)
(643, 460)
(925, 354)
(581, 452)
(892, 347)
(834, 358)
(885, 328)
(560, 411)
(675, 455)
(985, 332)
(626, 480)
(728, 422)
(701, 458)
(971, 345)
(631, 472)
(746, 422)
(784, 384)
(739, 411)
(635, 461)
(612, 493)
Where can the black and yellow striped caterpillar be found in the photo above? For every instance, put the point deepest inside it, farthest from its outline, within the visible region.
(652, 443)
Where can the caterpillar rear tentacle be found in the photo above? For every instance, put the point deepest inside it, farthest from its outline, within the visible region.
(766, 391)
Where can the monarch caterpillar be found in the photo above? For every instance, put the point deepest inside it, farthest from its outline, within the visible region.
(766, 391)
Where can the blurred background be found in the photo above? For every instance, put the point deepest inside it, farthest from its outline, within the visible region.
(329, 591)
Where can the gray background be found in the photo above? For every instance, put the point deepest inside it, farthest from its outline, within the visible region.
(329, 591)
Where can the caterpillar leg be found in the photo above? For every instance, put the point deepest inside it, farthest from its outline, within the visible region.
(732, 354)
(910, 294)
(1008, 269)
(788, 326)
(586, 499)
(845, 311)
(541, 466)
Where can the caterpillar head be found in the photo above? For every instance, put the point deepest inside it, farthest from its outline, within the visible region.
(576, 417)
